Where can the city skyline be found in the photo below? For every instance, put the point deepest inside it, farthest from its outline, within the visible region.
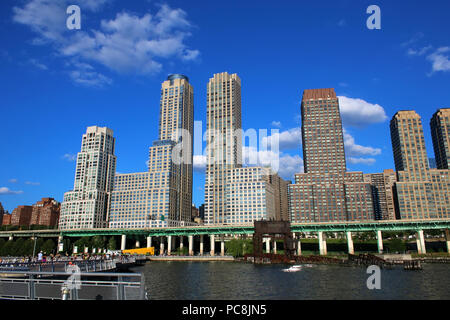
(55, 97)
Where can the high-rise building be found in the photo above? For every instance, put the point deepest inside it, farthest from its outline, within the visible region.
(6, 219)
(383, 193)
(421, 192)
(224, 149)
(440, 132)
(325, 191)
(235, 194)
(86, 206)
(163, 195)
(45, 212)
(21, 216)
(2, 212)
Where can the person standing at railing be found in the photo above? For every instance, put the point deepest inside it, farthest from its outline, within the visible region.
(40, 255)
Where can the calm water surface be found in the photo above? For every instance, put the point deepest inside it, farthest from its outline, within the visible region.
(240, 281)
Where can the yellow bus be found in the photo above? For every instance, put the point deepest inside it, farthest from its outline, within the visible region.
(140, 251)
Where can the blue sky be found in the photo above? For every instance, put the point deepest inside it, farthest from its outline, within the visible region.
(55, 82)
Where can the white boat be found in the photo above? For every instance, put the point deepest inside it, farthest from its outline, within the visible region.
(293, 269)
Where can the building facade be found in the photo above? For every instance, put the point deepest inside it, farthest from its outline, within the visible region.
(326, 191)
(382, 186)
(2, 212)
(6, 219)
(21, 216)
(162, 196)
(45, 212)
(87, 205)
(440, 133)
(421, 192)
(224, 149)
(235, 194)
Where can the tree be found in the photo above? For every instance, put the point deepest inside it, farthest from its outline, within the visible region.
(18, 247)
(48, 246)
(396, 245)
(8, 248)
(2, 243)
(112, 244)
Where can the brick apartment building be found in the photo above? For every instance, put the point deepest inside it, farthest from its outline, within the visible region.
(45, 212)
(21, 216)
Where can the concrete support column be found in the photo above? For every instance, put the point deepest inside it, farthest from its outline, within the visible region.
(191, 245)
(201, 245)
(60, 244)
(299, 245)
(421, 242)
(169, 245)
(123, 243)
(380, 241)
(181, 244)
(138, 244)
(447, 239)
(275, 246)
(222, 246)
(149, 242)
(161, 246)
(213, 243)
(322, 244)
(267, 240)
(350, 243)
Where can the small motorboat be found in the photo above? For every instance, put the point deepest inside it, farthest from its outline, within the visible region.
(293, 269)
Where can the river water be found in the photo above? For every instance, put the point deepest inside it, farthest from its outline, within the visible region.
(241, 281)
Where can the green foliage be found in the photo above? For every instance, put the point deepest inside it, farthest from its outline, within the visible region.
(97, 242)
(17, 249)
(112, 244)
(7, 249)
(48, 246)
(239, 247)
(396, 245)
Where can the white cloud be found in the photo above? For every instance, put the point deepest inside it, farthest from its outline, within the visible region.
(285, 165)
(366, 161)
(413, 40)
(360, 113)
(127, 44)
(440, 59)
(199, 164)
(353, 149)
(37, 64)
(288, 139)
(70, 157)
(33, 183)
(276, 124)
(6, 191)
(13, 180)
(418, 52)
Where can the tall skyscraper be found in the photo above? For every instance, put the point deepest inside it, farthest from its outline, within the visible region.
(440, 132)
(235, 194)
(163, 195)
(223, 119)
(322, 135)
(408, 143)
(326, 192)
(422, 193)
(86, 206)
